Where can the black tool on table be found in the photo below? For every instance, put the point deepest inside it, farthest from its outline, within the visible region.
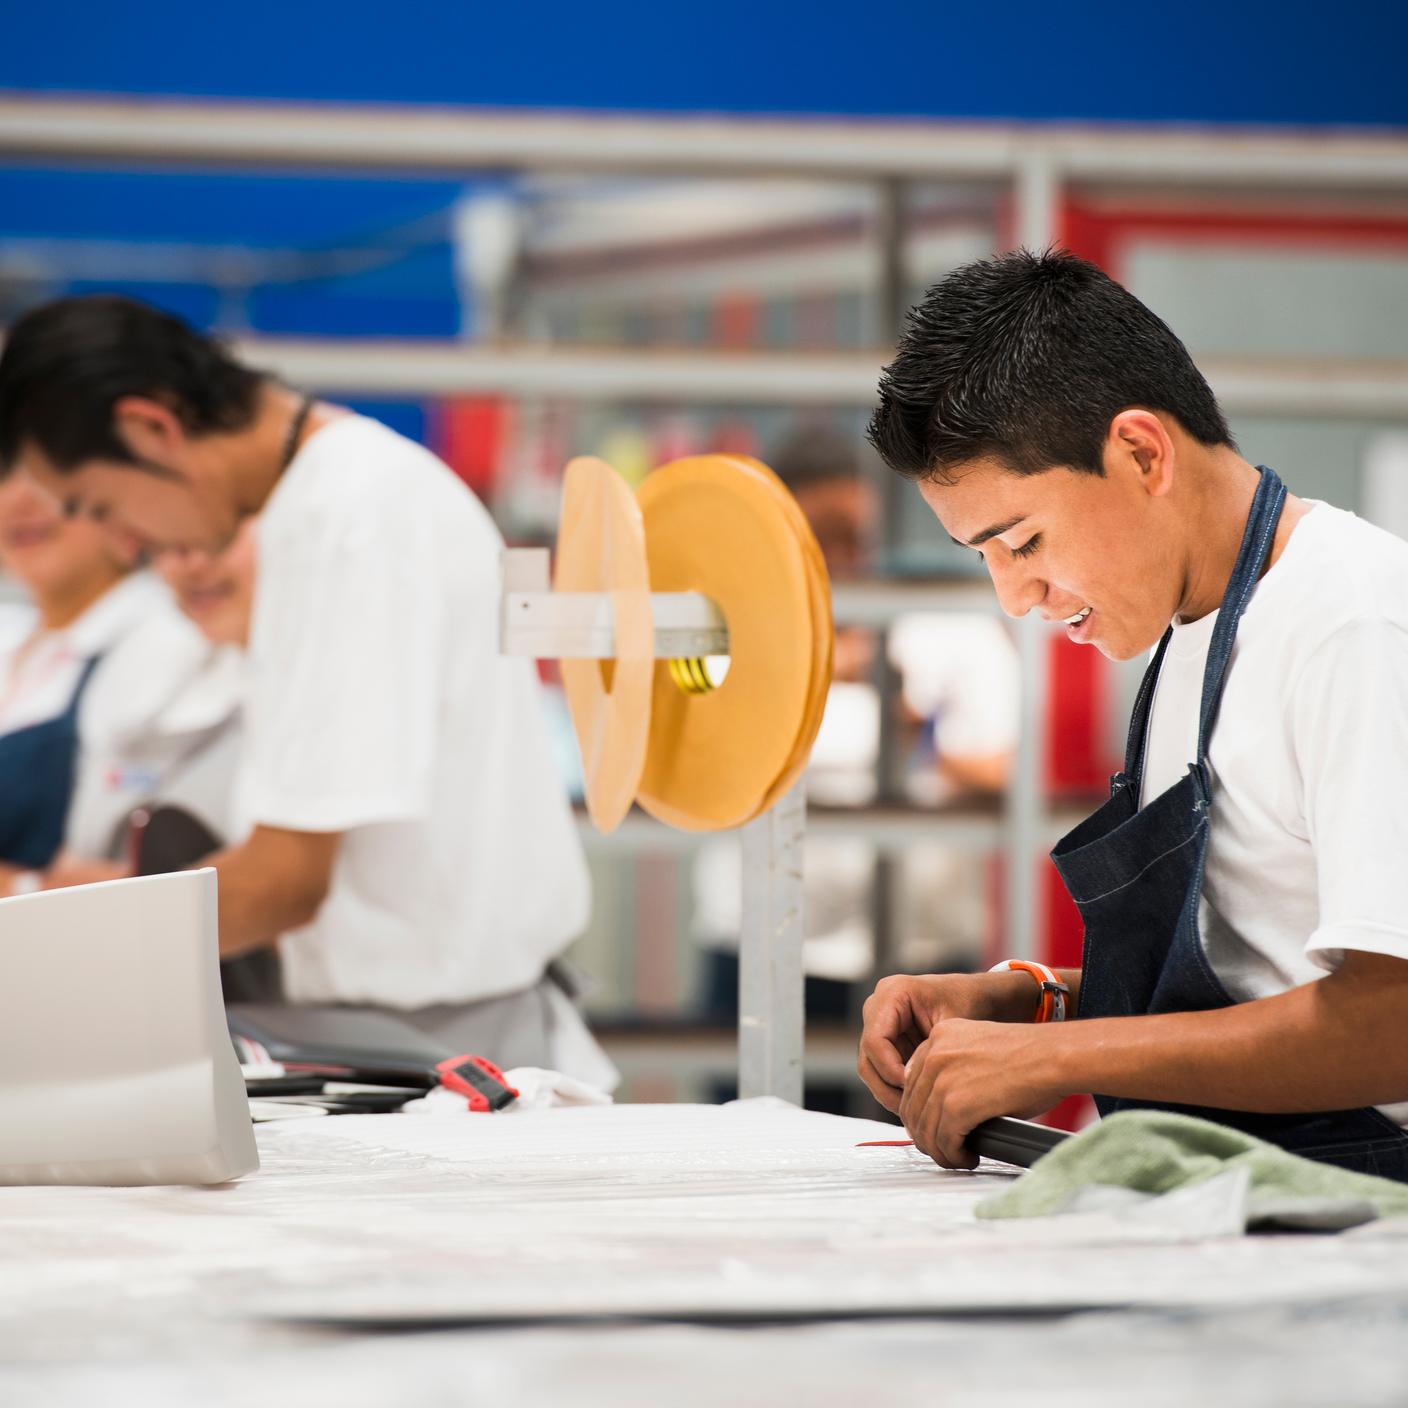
(1014, 1141)
(351, 1045)
(1009, 1141)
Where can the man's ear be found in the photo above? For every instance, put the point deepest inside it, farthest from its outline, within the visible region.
(1139, 444)
(150, 429)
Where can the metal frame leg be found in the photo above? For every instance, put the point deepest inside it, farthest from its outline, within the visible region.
(1026, 802)
(771, 1023)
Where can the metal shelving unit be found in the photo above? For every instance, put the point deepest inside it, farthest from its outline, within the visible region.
(1031, 164)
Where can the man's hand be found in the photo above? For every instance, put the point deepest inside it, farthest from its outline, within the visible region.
(902, 1012)
(69, 870)
(967, 1072)
(1331, 1044)
(64, 871)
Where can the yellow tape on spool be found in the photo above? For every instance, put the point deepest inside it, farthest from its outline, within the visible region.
(601, 548)
(725, 526)
(823, 640)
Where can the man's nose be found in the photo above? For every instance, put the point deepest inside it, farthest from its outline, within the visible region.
(1018, 590)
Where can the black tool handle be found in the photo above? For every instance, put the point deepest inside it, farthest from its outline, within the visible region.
(1014, 1141)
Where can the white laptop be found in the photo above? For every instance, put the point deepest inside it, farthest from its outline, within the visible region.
(115, 1063)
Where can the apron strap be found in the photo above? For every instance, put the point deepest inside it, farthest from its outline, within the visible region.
(1257, 538)
(1251, 559)
(1139, 719)
(85, 675)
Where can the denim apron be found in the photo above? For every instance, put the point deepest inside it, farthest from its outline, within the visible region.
(1136, 875)
(36, 783)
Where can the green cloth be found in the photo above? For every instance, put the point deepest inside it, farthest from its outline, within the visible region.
(1155, 1152)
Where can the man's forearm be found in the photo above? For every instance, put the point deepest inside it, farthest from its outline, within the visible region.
(1333, 1044)
(252, 916)
(274, 882)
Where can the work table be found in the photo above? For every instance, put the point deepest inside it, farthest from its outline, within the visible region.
(636, 1253)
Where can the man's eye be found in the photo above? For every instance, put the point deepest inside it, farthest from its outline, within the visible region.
(1029, 547)
(72, 507)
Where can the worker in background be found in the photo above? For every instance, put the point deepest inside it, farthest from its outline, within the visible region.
(959, 678)
(1243, 891)
(94, 671)
(406, 842)
(162, 737)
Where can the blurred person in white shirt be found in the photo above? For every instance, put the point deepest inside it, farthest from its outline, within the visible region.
(406, 841)
(91, 667)
(958, 673)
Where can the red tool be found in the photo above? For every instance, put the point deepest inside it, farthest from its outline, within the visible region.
(481, 1081)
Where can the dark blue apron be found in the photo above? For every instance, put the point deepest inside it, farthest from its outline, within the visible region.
(1136, 874)
(37, 767)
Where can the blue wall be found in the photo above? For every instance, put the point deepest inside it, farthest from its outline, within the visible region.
(1233, 61)
(1226, 62)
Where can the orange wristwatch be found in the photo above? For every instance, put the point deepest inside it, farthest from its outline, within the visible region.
(1054, 993)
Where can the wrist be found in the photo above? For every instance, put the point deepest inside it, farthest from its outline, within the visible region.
(1072, 1059)
(1012, 996)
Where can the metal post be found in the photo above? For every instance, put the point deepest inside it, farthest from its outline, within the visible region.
(891, 302)
(1025, 800)
(887, 317)
(1037, 206)
(770, 1012)
(1037, 201)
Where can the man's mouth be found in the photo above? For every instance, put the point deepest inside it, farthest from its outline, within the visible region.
(1078, 617)
(28, 535)
(204, 599)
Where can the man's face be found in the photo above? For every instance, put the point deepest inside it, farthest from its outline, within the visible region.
(1069, 545)
(48, 553)
(176, 507)
(842, 513)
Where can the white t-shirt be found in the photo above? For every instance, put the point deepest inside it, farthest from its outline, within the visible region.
(960, 670)
(1308, 757)
(160, 725)
(155, 721)
(38, 674)
(379, 706)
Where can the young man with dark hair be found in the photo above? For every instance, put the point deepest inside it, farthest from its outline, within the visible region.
(1243, 891)
(408, 844)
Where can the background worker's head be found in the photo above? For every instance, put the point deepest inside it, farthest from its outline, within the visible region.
(63, 564)
(117, 410)
(216, 590)
(1055, 424)
(820, 465)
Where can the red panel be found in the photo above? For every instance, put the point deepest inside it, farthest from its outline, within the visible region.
(1100, 233)
(1077, 719)
(1065, 933)
(737, 319)
(472, 433)
(1074, 1112)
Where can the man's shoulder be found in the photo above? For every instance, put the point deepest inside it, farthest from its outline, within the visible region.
(356, 452)
(359, 477)
(1339, 569)
(1336, 601)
